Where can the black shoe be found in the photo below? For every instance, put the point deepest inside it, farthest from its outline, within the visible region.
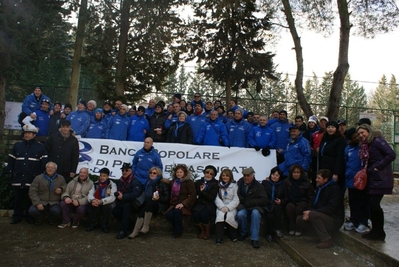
(242, 237)
(219, 241)
(279, 234)
(30, 221)
(177, 235)
(91, 228)
(14, 221)
(255, 244)
(121, 235)
(269, 238)
(375, 236)
(105, 229)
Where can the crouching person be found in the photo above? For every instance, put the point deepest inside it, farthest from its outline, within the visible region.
(101, 200)
(327, 212)
(157, 196)
(45, 193)
(253, 198)
(74, 199)
(129, 188)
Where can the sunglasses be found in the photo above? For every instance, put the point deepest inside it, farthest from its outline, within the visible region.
(152, 172)
(209, 172)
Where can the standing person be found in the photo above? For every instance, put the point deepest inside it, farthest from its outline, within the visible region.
(150, 108)
(238, 130)
(281, 129)
(32, 103)
(226, 202)
(97, 126)
(198, 100)
(197, 120)
(63, 149)
(26, 160)
(253, 198)
(204, 208)
(55, 119)
(129, 188)
(274, 188)
(262, 137)
(80, 119)
(144, 160)
(172, 117)
(107, 111)
(157, 196)
(139, 126)
(213, 132)
(91, 106)
(342, 126)
(318, 135)
(189, 109)
(42, 120)
(376, 154)
(183, 196)
(101, 200)
(299, 194)
(74, 199)
(300, 123)
(180, 131)
(45, 194)
(118, 125)
(157, 130)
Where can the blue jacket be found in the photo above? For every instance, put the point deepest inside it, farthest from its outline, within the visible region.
(117, 127)
(262, 136)
(196, 122)
(352, 163)
(149, 111)
(80, 121)
(42, 122)
(297, 152)
(138, 124)
(168, 122)
(143, 161)
(211, 132)
(282, 133)
(238, 133)
(31, 103)
(223, 118)
(96, 129)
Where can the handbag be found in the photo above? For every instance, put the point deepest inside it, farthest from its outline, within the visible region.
(360, 180)
(139, 201)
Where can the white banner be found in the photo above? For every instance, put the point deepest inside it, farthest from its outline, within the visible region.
(98, 153)
(13, 109)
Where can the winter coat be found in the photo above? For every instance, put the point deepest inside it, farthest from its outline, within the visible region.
(262, 136)
(149, 112)
(138, 128)
(187, 195)
(143, 161)
(307, 193)
(353, 164)
(163, 188)
(213, 133)
(54, 124)
(80, 121)
(297, 152)
(96, 129)
(180, 133)
(42, 122)
(381, 156)
(132, 190)
(39, 191)
(281, 130)
(64, 152)
(26, 160)
(330, 202)
(238, 133)
(196, 122)
(31, 103)
(157, 120)
(110, 193)
(308, 135)
(279, 193)
(206, 198)
(255, 198)
(231, 201)
(117, 127)
(81, 195)
(168, 122)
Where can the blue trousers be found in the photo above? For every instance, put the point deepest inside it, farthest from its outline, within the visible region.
(242, 219)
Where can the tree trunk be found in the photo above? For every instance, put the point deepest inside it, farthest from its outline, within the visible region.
(228, 93)
(343, 61)
(2, 111)
(75, 75)
(123, 40)
(299, 59)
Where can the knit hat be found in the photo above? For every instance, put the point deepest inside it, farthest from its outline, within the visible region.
(212, 168)
(98, 110)
(313, 119)
(350, 132)
(141, 108)
(332, 123)
(83, 102)
(241, 111)
(93, 102)
(124, 106)
(324, 118)
(177, 95)
(107, 102)
(57, 103)
(105, 170)
(67, 105)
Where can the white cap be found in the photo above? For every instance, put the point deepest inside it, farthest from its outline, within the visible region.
(324, 118)
(29, 128)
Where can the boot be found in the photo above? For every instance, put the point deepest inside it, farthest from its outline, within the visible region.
(207, 228)
(202, 231)
(146, 225)
(137, 226)
(377, 232)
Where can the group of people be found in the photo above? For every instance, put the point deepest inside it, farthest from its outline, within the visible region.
(317, 162)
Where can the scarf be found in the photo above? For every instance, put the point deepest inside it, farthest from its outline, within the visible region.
(50, 179)
(150, 186)
(175, 190)
(205, 182)
(123, 184)
(223, 186)
(102, 189)
(319, 190)
(65, 136)
(295, 192)
(274, 184)
(364, 153)
(178, 125)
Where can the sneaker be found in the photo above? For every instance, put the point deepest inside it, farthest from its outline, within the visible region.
(297, 233)
(291, 232)
(63, 225)
(349, 226)
(361, 229)
(75, 225)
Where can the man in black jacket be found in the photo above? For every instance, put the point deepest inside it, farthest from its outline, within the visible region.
(327, 212)
(252, 197)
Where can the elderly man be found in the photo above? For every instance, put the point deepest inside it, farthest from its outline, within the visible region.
(144, 160)
(129, 188)
(327, 212)
(252, 197)
(26, 160)
(101, 200)
(45, 193)
(74, 199)
(150, 109)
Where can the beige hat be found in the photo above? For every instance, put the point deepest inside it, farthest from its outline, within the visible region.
(248, 171)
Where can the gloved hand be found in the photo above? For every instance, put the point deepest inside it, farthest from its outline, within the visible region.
(266, 151)
(257, 148)
(225, 209)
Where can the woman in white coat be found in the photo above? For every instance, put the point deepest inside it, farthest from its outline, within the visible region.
(226, 206)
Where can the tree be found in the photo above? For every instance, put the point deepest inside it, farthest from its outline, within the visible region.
(228, 42)
(385, 99)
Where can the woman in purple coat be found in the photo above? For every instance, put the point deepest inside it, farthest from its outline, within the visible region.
(377, 155)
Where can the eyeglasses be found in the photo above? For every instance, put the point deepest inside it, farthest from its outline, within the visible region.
(209, 172)
(152, 172)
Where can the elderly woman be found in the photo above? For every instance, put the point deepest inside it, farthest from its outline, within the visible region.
(207, 188)
(377, 156)
(180, 131)
(183, 196)
(299, 194)
(157, 195)
(226, 202)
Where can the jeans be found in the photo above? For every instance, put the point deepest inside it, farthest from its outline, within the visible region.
(54, 211)
(242, 219)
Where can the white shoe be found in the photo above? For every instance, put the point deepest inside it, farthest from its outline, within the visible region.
(349, 226)
(361, 229)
